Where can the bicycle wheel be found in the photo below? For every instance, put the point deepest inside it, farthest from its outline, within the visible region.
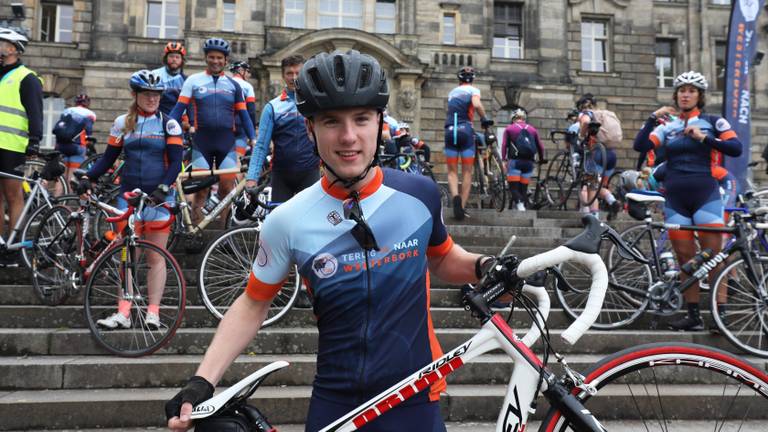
(54, 265)
(224, 272)
(616, 188)
(88, 163)
(560, 178)
(595, 161)
(628, 272)
(649, 388)
(497, 181)
(35, 219)
(36, 165)
(122, 273)
(619, 309)
(744, 319)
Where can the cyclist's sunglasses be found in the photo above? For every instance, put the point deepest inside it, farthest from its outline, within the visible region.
(361, 232)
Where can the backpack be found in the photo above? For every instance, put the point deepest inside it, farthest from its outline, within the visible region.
(610, 133)
(524, 146)
(67, 128)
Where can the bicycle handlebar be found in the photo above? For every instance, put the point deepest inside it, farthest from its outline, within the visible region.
(134, 199)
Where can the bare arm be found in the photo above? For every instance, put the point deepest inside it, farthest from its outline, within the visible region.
(478, 105)
(457, 266)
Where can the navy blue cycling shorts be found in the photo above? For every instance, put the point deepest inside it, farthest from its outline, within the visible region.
(460, 144)
(214, 145)
(694, 201)
(410, 418)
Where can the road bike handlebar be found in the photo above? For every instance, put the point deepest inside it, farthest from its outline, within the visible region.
(136, 198)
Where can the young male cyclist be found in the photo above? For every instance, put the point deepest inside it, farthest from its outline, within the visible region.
(74, 149)
(171, 75)
(366, 267)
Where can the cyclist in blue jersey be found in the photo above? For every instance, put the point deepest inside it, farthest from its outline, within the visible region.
(693, 142)
(171, 75)
(367, 267)
(216, 100)
(73, 150)
(463, 101)
(152, 150)
(295, 166)
(241, 72)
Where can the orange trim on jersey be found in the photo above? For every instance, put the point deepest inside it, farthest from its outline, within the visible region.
(434, 347)
(339, 192)
(719, 172)
(650, 158)
(513, 179)
(690, 114)
(467, 161)
(174, 140)
(284, 95)
(260, 291)
(729, 134)
(655, 140)
(184, 99)
(471, 111)
(240, 106)
(74, 165)
(526, 181)
(114, 141)
(442, 249)
(452, 161)
(250, 99)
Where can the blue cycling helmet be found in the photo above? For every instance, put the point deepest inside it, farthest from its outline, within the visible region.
(216, 44)
(146, 80)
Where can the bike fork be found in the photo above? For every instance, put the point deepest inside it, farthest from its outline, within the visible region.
(580, 418)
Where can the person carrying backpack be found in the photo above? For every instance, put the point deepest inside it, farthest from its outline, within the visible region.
(519, 147)
(73, 131)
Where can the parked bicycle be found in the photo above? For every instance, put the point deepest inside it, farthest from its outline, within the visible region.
(490, 179)
(578, 169)
(631, 381)
(113, 269)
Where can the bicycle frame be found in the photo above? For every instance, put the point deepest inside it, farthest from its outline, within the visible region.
(185, 206)
(37, 190)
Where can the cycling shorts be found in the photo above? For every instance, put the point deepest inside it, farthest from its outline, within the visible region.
(241, 145)
(519, 170)
(10, 160)
(610, 163)
(693, 202)
(286, 184)
(209, 145)
(74, 160)
(460, 144)
(409, 418)
(151, 217)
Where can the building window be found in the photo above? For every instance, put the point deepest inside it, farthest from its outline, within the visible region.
(294, 13)
(52, 108)
(720, 59)
(385, 16)
(594, 46)
(340, 13)
(56, 22)
(508, 30)
(722, 2)
(162, 19)
(665, 62)
(228, 16)
(449, 29)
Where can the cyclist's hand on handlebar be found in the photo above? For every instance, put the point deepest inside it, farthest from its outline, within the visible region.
(178, 410)
(484, 122)
(158, 196)
(83, 185)
(543, 161)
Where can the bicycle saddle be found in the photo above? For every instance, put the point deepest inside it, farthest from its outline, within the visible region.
(645, 196)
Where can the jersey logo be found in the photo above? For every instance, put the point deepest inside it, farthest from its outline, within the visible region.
(325, 265)
(173, 128)
(262, 255)
(722, 125)
(334, 218)
(202, 90)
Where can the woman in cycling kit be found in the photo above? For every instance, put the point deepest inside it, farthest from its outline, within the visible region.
(152, 150)
(365, 266)
(693, 143)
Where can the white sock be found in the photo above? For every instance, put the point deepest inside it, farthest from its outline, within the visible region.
(609, 198)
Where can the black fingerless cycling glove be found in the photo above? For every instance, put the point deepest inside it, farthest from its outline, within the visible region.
(197, 390)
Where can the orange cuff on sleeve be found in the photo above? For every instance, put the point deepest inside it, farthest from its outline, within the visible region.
(261, 291)
(441, 249)
(184, 99)
(250, 99)
(114, 142)
(174, 140)
(239, 106)
(729, 134)
(655, 140)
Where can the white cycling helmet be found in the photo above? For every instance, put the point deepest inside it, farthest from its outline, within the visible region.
(19, 40)
(691, 78)
(519, 113)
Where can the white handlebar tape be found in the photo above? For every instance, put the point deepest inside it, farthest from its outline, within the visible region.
(599, 274)
(542, 298)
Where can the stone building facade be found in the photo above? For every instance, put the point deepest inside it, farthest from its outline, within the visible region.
(538, 54)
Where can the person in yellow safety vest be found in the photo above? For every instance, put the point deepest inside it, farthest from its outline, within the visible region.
(21, 121)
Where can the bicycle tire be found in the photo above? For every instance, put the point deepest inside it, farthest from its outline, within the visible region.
(753, 306)
(497, 181)
(560, 179)
(88, 162)
(619, 310)
(616, 188)
(615, 376)
(591, 175)
(101, 297)
(225, 269)
(634, 274)
(37, 165)
(32, 224)
(54, 265)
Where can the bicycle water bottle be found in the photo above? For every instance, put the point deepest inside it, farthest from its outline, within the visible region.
(691, 266)
(211, 204)
(575, 159)
(105, 239)
(667, 263)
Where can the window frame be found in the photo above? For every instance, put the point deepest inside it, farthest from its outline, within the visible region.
(443, 27)
(606, 40)
(51, 113)
(660, 77)
(393, 18)
(224, 14)
(508, 38)
(163, 27)
(56, 22)
(340, 15)
(295, 12)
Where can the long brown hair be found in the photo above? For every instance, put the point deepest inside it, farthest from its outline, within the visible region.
(130, 119)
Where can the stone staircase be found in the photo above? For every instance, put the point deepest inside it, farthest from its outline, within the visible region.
(53, 376)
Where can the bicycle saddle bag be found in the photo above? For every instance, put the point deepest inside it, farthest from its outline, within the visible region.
(52, 169)
(196, 184)
(238, 418)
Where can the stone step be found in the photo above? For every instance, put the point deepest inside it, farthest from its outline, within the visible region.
(461, 403)
(288, 341)
(93, 372)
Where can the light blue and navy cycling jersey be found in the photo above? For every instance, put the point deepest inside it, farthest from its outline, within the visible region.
(74, 151)
(460, 108)
(373, 316)
(459, 136)
(173, 84)
(282, 124)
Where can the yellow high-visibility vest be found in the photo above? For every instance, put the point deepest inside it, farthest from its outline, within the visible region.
(14, 125)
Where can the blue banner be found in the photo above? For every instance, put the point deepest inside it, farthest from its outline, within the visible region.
(742, 46)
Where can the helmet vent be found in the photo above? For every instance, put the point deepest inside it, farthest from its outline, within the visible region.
(314, 75)
(365, 76)
(338, 71)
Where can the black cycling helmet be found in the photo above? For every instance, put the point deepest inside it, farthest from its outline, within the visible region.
(466, 74)
(572, 113)
(216, 44)
(341, 80)
(240, 64)
(587, 97)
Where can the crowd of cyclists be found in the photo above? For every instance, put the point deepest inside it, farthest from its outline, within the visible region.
(325, 129)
